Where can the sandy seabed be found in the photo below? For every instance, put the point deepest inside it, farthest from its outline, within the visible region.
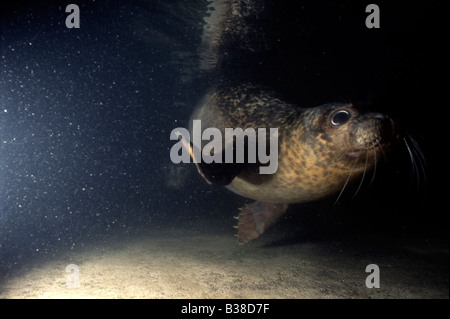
(179, 263)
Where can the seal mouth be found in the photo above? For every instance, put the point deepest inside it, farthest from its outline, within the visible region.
(376, 146)
(356, 153)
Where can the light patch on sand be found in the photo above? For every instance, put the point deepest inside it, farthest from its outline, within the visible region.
(214, 266)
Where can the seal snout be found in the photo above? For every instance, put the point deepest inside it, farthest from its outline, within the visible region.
(384, 128)
(371, 131)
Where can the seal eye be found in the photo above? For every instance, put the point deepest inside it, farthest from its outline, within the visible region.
(340, 117)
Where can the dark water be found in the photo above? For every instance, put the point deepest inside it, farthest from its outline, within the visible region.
(85, 117)
(85, 121)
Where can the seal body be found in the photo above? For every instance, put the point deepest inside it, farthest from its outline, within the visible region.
(320, 149)
(317, 155)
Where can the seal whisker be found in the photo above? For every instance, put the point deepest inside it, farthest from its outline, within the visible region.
(417, 148)
(363, 175)
(420, 158)
(417, 159)
(374, 163)
(414, 168)
(346, 182)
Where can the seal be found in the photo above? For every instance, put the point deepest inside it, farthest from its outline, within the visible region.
(321, 149)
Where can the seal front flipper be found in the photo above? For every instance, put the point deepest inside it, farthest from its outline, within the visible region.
(218, 173)
(256, 217)
(214, 173)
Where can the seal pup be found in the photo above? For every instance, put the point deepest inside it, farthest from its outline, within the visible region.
(321, 150)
